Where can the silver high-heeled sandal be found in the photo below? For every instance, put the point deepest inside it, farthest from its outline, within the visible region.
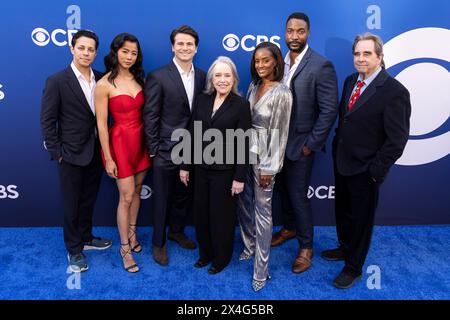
(258, 284)
(245, 256)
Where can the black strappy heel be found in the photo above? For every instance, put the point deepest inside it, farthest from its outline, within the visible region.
(137, 248)
(123, 254)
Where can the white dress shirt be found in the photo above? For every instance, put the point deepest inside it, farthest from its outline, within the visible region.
(288, 70)
(188, 81)
(87, 87)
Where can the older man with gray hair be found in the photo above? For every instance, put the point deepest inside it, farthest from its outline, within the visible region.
(372, 132)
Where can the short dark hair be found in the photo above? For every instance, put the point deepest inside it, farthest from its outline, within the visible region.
(276, 54)
(299, 16)
(87, 34)
(184, 29)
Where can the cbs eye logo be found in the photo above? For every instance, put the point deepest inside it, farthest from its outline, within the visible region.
(40, 37)
(428, 82)
(231, 42)
(146, 192)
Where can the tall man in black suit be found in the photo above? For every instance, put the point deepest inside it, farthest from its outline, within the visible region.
(169, 97)
(69, 129)
(313, 83)
(372, 133)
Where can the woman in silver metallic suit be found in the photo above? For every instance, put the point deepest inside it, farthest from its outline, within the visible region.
(270, 103)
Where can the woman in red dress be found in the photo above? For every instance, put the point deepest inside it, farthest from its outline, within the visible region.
(119, 94)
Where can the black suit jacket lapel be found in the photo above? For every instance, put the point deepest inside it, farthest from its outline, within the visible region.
(176, 78)
(223, 108)
(197, 87)
(209, 109)
(370, 91)
(197, 83)
(346, 93)
(301, 65)
(76, 88)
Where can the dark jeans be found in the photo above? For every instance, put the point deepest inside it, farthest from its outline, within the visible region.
(293, 183)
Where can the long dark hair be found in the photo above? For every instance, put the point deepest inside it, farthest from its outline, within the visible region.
(276, 54)
(112, 63)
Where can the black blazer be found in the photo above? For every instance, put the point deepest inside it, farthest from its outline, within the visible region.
(68, 123)
(234, 114)
(372, 135)
(167, 106)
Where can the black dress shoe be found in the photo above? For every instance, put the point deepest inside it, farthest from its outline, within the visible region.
(214, 270)
(334, 254)
(200, 264)
(182, 240)
(345, 280)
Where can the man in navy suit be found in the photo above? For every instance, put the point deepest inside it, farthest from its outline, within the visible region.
(170, 94)
(372, 132)
(69, 129)
(313, 83)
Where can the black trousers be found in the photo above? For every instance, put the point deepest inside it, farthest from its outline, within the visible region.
(293, 183)
(356, 199)
(170, 202)
(214, 215)
(79, 188)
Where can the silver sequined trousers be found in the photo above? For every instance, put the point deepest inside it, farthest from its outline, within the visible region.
(270, 121)
(255, 220)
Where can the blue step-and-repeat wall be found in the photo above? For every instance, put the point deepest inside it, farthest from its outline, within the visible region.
(34, 37)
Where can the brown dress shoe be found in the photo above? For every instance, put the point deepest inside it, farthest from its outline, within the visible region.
(182, 240)
(160, 256)
(303, 260)
(281, 237)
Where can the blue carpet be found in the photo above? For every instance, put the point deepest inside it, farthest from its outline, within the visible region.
(413, 261)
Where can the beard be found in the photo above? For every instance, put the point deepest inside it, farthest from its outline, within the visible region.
(299, 48)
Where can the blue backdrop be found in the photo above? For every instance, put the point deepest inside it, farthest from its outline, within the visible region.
(417, 51)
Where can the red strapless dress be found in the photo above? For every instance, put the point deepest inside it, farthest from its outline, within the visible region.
(126, 135)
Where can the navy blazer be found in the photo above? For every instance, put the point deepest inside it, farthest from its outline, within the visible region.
(372, 135)
(166, 107)
(315, 104)
(67, 121)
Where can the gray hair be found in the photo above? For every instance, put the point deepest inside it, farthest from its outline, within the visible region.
(377, 42)
(209, 77)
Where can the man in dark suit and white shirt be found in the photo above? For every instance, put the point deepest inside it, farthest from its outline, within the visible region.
(313, 83)
(69, 129)
(372, 132)
(170, 93)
